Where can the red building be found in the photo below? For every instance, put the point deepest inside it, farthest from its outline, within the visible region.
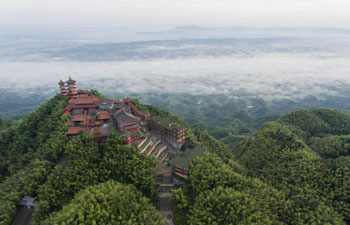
(84, 101)
(91, 114)
(74, 130)
(103, 115)
(168, 128)
(135, 110)
(72, 87)
(63, 88)
(126, 122)
(130, 138)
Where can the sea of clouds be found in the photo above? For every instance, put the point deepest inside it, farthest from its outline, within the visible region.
(269, 68)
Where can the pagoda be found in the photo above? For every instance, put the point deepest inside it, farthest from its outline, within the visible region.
(63, 87)
(72, 87)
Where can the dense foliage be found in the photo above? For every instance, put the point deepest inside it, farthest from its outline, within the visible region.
(304, 154)
(108, 203)
(220, 194)
(25, 141)
(89, 164)
(24, 182)
(31, 148)
(4, 124)
(292, 171)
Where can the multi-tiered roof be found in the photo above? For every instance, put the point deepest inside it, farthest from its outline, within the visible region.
(68, 88)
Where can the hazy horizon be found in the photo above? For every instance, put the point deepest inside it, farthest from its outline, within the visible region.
(270, 49)
(270, 62)
(252, 13)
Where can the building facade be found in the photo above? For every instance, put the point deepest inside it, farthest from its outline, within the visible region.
(168, 128)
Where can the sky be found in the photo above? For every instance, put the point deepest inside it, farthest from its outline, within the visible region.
(251, 13)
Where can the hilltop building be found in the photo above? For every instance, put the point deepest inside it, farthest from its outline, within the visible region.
(161, 137)
(91, 114)
(72, 87)
(168, 128)
(68, 88)
(63, 88)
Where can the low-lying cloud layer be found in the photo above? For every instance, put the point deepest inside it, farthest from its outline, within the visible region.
(278, 63)
(266, 75)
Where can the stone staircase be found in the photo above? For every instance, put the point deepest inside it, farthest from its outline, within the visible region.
(153, 146)
(159, 149)
(162, 156)
(145, 144)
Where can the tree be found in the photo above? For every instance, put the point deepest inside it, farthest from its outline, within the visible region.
(108, 203)
(224, 206)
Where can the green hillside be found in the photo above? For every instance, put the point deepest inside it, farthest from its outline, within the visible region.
(292, 171)
(304, 153)
(38, 159)
(225, 190)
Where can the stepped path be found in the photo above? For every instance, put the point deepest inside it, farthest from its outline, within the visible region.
(159, 149)
(153, 146)
(145, 145)
(163, 149)
(163, 156)
(23, 216)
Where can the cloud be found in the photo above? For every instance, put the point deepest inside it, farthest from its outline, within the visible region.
(266, 75)
(289, 63)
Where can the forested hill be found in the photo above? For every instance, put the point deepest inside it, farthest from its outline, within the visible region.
(292, 171)
(76, 180)
(305, 155)
(39, 160)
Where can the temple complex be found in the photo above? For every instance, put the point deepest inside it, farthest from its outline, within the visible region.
(92, 114)
(161, 137)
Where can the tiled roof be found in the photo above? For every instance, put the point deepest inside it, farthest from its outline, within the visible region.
(127, 109)
(104, 115)
(84, 106)
(189, 155)
(168, 123)
(106, 104)
(66, 113)
(74, 130)
(85, 93)
(97, 131)
(164, 121)
(118, 105)
(95, 123)
(68, 108)
(123, 116)
(77, 111)
(86, 100)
